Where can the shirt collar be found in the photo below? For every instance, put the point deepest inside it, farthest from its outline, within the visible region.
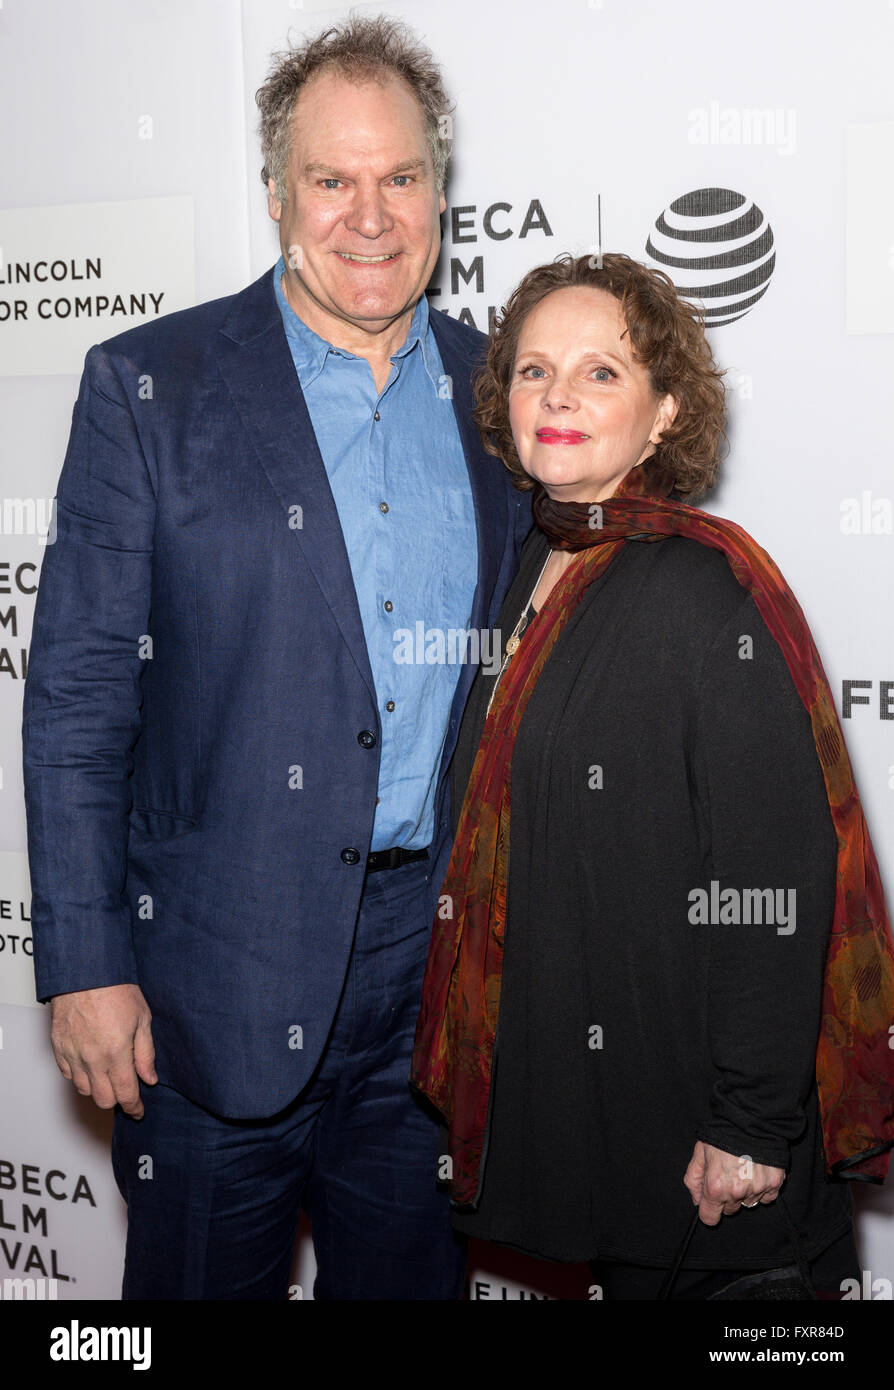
(311, 352)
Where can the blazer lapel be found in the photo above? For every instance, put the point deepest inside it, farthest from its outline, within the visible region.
(257, 366)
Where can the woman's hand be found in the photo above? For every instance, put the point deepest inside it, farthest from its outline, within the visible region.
(719, 1183)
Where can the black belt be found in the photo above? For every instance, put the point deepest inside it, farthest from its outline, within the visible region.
(392, 858)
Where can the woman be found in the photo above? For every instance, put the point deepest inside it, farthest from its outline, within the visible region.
(628, 1007)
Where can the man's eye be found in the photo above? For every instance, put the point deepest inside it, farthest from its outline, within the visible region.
(402, 180)
(331, 183)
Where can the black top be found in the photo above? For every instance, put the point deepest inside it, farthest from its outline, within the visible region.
(664, 747)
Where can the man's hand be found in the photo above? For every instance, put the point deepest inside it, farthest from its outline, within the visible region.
(719, 1183)
(103, 1044)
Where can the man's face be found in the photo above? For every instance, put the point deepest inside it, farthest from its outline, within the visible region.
(359, 229)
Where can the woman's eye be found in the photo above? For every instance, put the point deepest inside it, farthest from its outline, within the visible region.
(609, 374)
(524, 371)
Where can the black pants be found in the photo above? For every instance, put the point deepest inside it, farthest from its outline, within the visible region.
(837, 1262)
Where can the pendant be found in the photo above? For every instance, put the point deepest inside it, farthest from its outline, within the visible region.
(512, 646)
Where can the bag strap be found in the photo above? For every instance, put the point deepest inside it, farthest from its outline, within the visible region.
(670, 1277)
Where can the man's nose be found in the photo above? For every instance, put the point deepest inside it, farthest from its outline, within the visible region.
(368, 213)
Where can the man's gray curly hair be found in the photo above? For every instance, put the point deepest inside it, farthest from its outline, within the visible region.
(361, 49)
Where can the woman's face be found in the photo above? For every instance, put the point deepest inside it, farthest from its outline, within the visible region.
(581, 410)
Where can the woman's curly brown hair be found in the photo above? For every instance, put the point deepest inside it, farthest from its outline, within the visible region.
(667, 336)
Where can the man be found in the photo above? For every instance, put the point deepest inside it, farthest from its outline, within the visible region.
(237, 805)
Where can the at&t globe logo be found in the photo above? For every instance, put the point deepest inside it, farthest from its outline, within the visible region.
(717, 247)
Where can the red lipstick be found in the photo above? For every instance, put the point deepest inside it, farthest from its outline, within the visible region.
(548, 436)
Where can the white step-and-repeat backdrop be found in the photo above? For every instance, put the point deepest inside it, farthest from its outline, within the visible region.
(131, 188)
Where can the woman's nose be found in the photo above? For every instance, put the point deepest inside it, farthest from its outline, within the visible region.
(559, 395)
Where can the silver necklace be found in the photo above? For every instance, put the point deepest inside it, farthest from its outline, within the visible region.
(514, 640)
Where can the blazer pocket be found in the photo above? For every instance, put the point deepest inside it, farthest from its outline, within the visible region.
(149, 824)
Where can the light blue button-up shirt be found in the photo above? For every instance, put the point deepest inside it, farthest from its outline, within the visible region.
(401, 487)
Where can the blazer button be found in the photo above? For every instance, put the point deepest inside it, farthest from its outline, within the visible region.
(366, 738)
(350, 856)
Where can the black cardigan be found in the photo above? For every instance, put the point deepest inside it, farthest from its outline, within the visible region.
(626, 1029)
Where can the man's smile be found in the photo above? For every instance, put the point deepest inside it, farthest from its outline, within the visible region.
(367, 260)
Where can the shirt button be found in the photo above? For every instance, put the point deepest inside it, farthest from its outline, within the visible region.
(383, 506)
(350, 856)
(389, 705)
(388, 605)
(366, 738)
(377, 416)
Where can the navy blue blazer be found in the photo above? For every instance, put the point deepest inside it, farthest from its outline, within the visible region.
(200, 801)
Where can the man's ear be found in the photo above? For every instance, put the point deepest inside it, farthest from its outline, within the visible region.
(274, 206)
(665, 416)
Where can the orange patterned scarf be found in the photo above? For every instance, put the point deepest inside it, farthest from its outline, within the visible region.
(461, 991)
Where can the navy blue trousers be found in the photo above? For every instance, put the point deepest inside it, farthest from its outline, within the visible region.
(217, 1217)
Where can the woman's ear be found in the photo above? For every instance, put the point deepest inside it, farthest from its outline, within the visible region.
(664, 416)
